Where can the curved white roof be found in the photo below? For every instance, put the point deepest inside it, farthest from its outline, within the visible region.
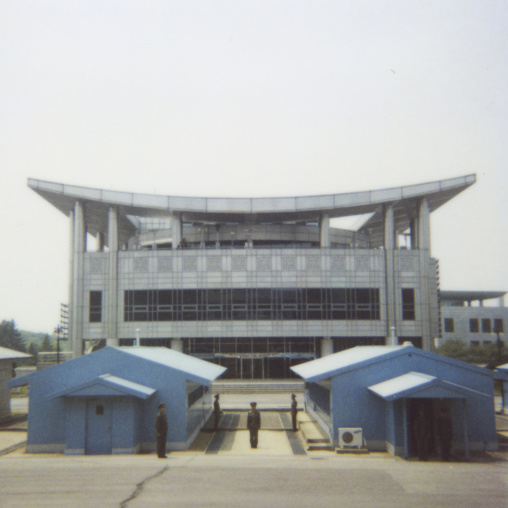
(252, 210)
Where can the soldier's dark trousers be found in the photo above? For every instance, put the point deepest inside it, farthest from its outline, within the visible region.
(253, 438)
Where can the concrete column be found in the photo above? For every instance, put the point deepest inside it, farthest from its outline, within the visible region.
(176, 230)
(424, 254)
(413, 233)
(71, 274)
(324, 230)
(100, 242)
(177, 345)
(391, 299)
(78, 249)
(326, 346)
(424, 225)
(111, 299)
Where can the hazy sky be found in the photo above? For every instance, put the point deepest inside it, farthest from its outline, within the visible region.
(259, 98)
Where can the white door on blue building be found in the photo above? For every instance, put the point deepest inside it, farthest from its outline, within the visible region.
(98, 427)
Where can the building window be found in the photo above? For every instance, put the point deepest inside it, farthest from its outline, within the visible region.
(449, 325)
(257, 304)
(486, 326)
(408, 305)
(474, 326)
(475, 343)
(498, 326)
(95, 313)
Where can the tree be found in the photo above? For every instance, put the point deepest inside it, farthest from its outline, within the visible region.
(487, 354)
(46, 344)
(454, 348)
(33, 349)
(10, 336)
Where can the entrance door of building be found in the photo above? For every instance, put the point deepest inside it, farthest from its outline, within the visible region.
(98, 440)
(414, 407)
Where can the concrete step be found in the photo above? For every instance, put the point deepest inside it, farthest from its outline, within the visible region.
(261, 386)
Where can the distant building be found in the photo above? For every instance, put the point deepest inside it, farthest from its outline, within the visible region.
(464, 316)
(256, 285)
(381, 389)
(8, 359)
(106, 402)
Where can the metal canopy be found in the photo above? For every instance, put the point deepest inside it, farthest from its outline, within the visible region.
(252, 210)
(416, 384)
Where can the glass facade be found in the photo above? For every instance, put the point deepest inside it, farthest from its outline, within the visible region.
(252, 304)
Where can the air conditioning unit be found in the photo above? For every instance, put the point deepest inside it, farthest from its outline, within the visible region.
(350, 437)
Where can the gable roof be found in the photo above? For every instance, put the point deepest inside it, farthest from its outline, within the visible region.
(105, 384)
(201, 371)
(11, 354)
(361, 356)
(194, 369)
(416, 383)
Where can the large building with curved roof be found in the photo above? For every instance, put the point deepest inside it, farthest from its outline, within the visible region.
(256, 285)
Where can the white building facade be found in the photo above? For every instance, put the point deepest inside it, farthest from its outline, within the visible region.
(464, 316)
(256, 285)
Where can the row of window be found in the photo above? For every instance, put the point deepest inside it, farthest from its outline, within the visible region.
(487, 325)
(251, 304)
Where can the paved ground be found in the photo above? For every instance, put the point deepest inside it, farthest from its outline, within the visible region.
(237, 476)
(248, 477)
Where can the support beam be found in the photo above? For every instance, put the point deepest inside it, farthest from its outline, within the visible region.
(324, 230)
(111, 298)
(176, 230)
(423, 239)
(390, 295)
(326, 346)
(78, 249)
(177, 345)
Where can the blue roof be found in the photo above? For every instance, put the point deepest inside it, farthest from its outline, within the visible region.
(328, 366)
(201, 370)
(195, 369)
(106, 384)
(416, 383)
(361, 356)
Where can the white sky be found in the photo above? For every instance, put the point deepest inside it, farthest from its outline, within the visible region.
(263, 98)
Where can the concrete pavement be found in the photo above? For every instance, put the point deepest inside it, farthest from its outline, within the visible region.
(253, 477)
(238, 476)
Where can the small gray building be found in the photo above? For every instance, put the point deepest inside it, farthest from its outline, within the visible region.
(106, 402)
(7, 366)
(379, 390)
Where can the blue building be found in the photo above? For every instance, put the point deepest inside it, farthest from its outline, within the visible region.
(106, 402)
(381, 389)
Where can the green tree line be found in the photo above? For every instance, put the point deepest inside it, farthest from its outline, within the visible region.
(491, 355)
(12, 338)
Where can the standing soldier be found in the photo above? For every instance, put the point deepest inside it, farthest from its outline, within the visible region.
(216, 412)
(253, 424)
(445, 434)
(422, 435)
(161, 428)
(294, 406)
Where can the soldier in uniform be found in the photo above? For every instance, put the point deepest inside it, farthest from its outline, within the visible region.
(253, 424)
(422, 435)
(444, 427)
(161, 428)
(294, 406)
(216, 412)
